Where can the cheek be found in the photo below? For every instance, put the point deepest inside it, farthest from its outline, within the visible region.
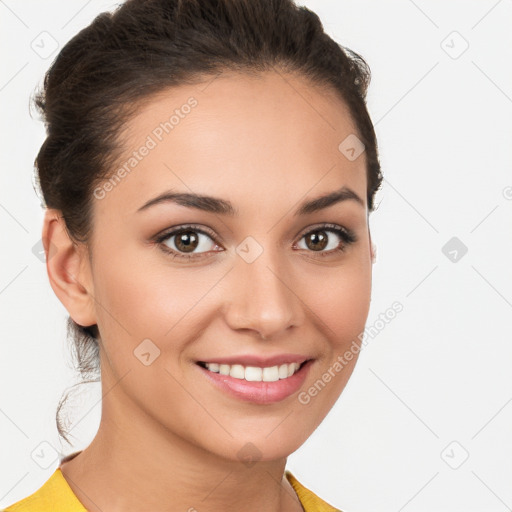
(143, 300)
(341, 301)
(339, 308)
(140, 301)
(146, 319)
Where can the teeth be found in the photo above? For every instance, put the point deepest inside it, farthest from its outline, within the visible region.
(251, 373)
(214, 367)
(270, 374)
(237, 371)
(255, 373)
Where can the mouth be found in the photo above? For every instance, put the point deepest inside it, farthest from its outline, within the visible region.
(258, 384)
(255, 373)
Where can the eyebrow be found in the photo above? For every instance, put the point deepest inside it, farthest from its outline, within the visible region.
(221, 206)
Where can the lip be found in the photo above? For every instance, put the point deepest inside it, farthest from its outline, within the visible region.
(258, 361)
(258, 392)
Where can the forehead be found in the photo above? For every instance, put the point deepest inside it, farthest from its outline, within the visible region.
(239, 134)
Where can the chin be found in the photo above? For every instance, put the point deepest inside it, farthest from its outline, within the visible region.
(266, 445)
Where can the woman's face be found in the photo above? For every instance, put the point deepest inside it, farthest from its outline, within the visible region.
(265, 279)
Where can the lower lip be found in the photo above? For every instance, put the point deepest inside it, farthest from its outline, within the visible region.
(259, 392)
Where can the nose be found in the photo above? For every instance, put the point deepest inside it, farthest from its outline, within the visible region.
(263, 297)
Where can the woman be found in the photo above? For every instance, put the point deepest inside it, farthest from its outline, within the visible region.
(208, 173)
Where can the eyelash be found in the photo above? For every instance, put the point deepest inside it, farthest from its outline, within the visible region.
(347, 235)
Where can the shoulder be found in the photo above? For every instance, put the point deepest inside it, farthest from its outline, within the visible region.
(33, 502)
(54, 494)
(309, 500)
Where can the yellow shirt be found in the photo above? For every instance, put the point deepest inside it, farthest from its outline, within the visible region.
(56, 495)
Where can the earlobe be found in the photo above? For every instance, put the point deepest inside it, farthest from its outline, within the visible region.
(68, 269)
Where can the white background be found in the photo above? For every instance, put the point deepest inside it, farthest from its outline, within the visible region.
(436, 376)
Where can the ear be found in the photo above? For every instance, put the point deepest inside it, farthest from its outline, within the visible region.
(68, 268)
(373, 248)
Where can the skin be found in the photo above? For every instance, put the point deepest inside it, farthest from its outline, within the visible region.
(168, 439)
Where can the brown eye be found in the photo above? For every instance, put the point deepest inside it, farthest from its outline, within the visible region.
(186, 241)
(327, 239)
(316, 240)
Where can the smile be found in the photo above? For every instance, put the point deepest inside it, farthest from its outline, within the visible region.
(257, 384)
(254, 373)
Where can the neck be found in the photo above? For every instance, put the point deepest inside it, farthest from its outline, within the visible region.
(136, 464)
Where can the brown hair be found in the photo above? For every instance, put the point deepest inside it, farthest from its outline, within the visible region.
(122, 58)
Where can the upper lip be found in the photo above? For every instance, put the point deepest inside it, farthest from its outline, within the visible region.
(258, 361)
